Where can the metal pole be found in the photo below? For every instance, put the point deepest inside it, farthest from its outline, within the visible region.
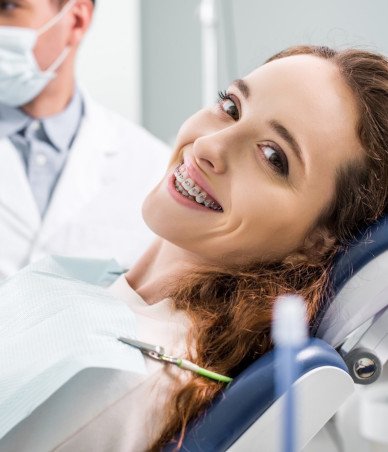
(208, 18)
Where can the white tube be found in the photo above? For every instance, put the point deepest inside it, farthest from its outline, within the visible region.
(289, 321)
(289, 332)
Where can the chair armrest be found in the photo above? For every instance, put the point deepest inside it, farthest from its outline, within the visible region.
(320, 393)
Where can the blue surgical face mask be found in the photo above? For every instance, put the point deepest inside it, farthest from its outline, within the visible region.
(21, 78)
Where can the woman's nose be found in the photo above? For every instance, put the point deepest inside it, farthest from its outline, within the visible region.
(211, 152)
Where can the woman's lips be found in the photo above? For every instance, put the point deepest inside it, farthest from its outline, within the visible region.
(196, 176)
(179, 185)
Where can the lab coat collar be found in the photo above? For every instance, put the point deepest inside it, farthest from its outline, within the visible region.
(82, 176)
(16, 196)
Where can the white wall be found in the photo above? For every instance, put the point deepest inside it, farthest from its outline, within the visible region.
(249, 32)
(171, 64)
(109, 60)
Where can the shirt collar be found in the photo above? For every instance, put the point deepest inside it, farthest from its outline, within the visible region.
(60, 128)
(12, 120)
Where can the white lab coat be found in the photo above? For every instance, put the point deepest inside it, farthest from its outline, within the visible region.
(95, 210)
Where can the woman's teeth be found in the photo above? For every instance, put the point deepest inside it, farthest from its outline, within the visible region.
(187, 187)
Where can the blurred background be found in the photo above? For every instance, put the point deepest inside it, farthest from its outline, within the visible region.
(143, 57)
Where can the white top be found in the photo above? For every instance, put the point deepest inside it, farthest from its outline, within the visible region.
(131, 422)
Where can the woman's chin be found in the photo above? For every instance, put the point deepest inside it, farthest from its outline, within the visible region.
(159, 216)
(149, 212)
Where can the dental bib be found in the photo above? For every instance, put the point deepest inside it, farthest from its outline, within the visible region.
(52, 327)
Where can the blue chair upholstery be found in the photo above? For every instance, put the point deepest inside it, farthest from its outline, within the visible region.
(367, 246)
(370, 244)
(248, 397)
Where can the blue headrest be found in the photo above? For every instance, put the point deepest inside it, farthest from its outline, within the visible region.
(247, 397)
(368, 245)
(372, 242)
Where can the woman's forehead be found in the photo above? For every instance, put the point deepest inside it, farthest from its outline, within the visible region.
(299, 74)
(308, 93)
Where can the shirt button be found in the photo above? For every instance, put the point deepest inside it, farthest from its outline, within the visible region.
(40, 159)
(35, 125)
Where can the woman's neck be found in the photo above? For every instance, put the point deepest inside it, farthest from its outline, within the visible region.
(159, 267)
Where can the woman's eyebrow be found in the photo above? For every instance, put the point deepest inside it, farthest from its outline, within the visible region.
(281, 130)
(284, 133)
(242, 86)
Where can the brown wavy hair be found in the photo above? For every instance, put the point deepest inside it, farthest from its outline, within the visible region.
(231, 308)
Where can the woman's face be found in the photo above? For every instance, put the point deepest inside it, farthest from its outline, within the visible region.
(251, 174)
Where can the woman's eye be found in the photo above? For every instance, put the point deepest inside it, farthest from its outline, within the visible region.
(230, 108)
(276, 158)
(7, 5)
(227, 104)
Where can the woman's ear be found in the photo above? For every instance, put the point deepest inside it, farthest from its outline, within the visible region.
(316, 245)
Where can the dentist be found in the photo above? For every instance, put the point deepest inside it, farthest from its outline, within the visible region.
(71, 172)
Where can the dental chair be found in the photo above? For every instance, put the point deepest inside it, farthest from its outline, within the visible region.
(350, 348)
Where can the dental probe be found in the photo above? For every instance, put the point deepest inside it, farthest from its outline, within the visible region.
(157, 352)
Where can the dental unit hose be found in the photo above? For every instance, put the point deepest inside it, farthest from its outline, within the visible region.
(289, 333)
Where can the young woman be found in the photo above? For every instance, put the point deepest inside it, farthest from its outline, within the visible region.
(294, 161)
(262, 190)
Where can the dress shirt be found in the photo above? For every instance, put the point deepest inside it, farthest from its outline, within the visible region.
(43, 144)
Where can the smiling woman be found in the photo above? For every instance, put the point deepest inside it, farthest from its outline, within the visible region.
(294, 159)
(265, 160)
(262, 190)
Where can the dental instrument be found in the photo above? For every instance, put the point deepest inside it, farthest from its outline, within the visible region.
(157, 352)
